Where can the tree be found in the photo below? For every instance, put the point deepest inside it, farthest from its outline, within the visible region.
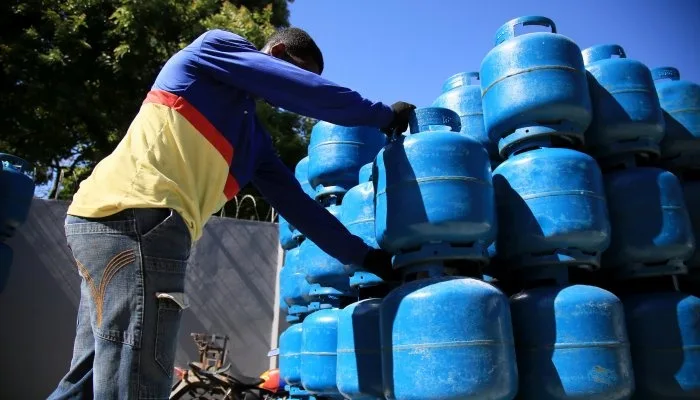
(73, 74)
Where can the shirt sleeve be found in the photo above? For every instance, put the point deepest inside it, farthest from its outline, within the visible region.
(234, 61)
(281, 189)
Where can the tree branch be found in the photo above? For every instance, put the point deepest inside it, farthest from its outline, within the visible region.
(56, 179)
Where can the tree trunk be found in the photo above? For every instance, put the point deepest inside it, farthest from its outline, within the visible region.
(56, 182)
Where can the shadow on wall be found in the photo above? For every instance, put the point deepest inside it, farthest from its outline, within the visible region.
(230, 284)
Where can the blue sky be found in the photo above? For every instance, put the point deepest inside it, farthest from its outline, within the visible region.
(392, 50)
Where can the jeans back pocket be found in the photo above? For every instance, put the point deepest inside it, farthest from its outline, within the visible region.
(170, 308)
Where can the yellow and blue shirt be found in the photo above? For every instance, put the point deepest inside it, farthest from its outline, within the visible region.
(196, 141)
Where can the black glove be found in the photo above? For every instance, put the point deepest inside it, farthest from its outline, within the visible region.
(402, 112)
(378, 262)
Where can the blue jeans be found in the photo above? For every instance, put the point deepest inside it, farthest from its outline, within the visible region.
(133, 268)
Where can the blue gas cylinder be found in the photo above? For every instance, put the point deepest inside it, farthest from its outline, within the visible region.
(297, 236)
(366, 173)
(320, 267)
(336, 154)
(286, 235)
(627, 117)
(491, 250)
(359, 369)
(358, 217)
(17, 188)
(294, 288)
(462, 95)
(357, 212)
(290, 354)
(434, 196)
(534, 87)
(651, 232)
(319, 344)
(296, 291)
(571, 343)
(5, 264)
(551, 209)
(664, 332)
(447, 338)
(680, 102)
(301, 172)
(321, 297)
(285, 279)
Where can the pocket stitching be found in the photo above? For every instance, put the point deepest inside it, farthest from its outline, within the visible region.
(163, 310)
(123, 227)
(174, 222)
(165, 220)
(115, 264)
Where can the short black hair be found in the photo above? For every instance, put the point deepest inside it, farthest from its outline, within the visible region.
(298, 44)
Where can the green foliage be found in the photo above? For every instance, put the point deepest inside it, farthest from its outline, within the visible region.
(73, 73)
(71, 180)
(256, 25)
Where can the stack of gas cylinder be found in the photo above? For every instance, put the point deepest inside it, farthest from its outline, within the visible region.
(16, 193)
(317, 291)
(541, 217)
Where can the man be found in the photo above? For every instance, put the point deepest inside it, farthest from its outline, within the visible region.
(193, 144)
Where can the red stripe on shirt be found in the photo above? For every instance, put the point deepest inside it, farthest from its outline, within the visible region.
(203, 126)
(231, 188)
(199, 121)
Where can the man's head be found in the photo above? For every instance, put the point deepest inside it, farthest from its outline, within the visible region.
(294, 45)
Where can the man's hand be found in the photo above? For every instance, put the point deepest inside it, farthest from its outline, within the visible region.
(402, 112)
(378, 262)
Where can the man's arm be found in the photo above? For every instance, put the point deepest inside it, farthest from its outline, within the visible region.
(274, 180)
(233, 60)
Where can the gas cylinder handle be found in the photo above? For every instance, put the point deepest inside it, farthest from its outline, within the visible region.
(460, 79)
(472, 76)
(665, 73)
(423, 118)
(365, 174)
(20, 163)
(507, 31)
(602, 52)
